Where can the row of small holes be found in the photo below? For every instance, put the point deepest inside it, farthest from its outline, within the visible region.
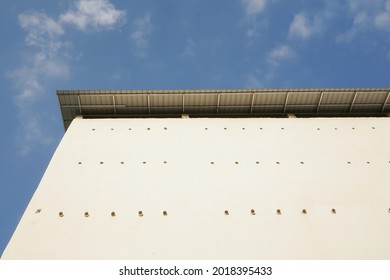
(113, 214)
(279, 212)
(165, 213)
(243, 128)
(236, 162)
(282, 128)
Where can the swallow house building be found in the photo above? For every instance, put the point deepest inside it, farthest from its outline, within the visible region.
(214, 174)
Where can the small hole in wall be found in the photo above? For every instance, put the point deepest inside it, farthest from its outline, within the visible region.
(205, 128)
(144, 162)
(113, 214)
(86, 214)
(348, 162)
(61, 214)
(261, 128)
(243, 128)
(368, 162)
(318, 128)
(38, 211)
(165, 128)
(211, 162)
(148, 128)
(253, 212)
(304, 211)
(112, 129)
(225, 128)
(129, 128)
(101, 162)
(353, 128)
(302, 162)
(93, 129)
(282, 128)
(79, 162)
(388, 210)
(236, 162)
(165, 162)
(257, 162)
(333, 211)
(278, 162)
(165, 213)
(226, 212)
(373, 127)
(122, 162)
(335, 128)
(278, 212)
(140, 213)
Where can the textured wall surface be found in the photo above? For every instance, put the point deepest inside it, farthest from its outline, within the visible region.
(213, 189)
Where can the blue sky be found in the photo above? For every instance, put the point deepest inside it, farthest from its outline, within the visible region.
(170, 44)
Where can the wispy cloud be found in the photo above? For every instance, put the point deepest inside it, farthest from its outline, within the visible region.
(274, 58)
(304, 27)
(252, 80)
(39, 28)
(382, 19)
(93, 15)
(142, 29)
(253, 7)
(300, 27)
(47, 59)
(366, 15)
(190, 48)
(279, 54)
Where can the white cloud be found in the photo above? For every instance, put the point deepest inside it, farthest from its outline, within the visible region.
(382, 20)
(47, 59)
(190, 48)
(31, 132)
(142, 28)
(252, 80)
(302, 27)
(280, 53)
(253, 7)
(40, 28)
(367, 15)
(94, 15)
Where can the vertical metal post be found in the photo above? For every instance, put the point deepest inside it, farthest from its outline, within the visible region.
(149, 104)
(113, 102)
(253, 100)
(353, 101)
(319, 102)
(81, 110)
(183, 102)
(218, 100)
(285, 102)
(384, 103)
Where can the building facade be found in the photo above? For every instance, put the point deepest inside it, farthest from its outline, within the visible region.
(224, 174)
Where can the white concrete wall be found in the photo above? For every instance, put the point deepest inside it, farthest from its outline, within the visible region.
(286, 164)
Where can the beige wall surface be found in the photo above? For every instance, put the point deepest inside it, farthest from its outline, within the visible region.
(279, 180)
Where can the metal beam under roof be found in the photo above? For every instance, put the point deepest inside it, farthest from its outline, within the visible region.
(330, 102)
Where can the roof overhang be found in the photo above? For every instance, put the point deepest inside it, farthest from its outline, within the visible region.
(330, 102)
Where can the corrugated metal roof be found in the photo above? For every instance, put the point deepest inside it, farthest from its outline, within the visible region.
(229, 103)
